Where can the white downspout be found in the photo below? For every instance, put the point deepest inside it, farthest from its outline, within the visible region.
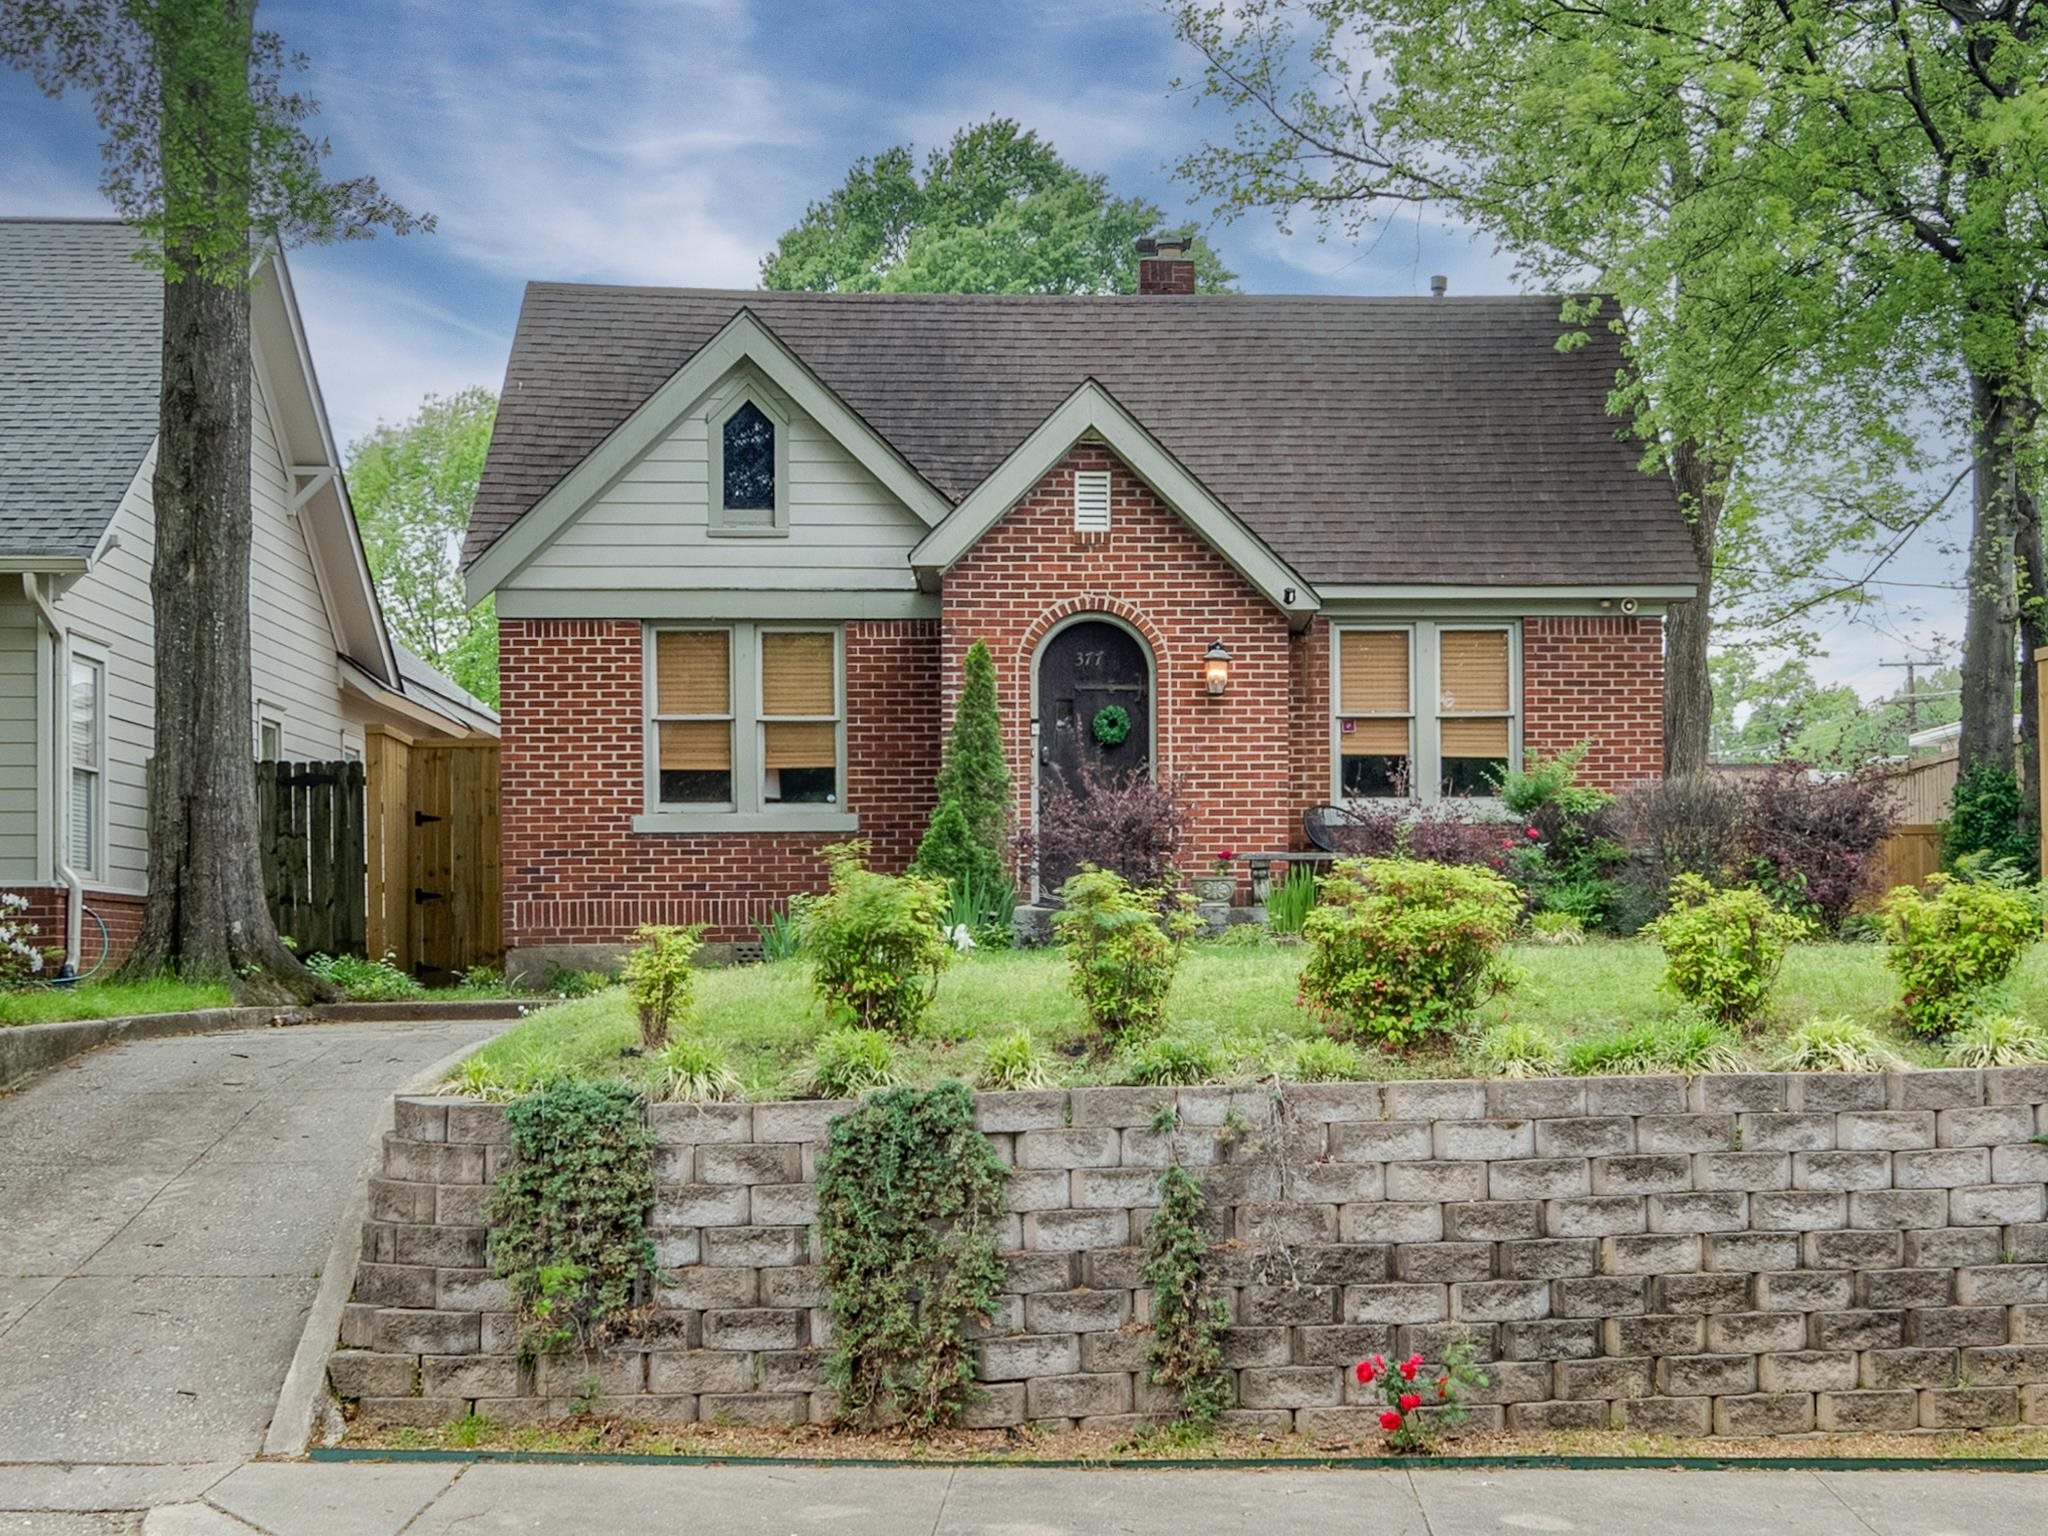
(74, 888)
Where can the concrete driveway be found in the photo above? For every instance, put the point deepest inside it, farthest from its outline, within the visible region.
(165, 1207)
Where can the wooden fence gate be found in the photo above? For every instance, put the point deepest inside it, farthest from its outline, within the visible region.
(310, 819)
(435, 885)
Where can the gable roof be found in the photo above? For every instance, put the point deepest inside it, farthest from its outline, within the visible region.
(80, 356)
(1364, 441)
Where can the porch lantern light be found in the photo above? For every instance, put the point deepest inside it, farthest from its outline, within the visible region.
(1216, 666)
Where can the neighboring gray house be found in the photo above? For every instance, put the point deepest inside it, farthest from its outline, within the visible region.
(80, 341)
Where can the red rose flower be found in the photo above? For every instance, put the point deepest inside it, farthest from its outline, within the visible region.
(1410, 1367)
(1365, 1372)
(1535, 832)
(1443, 1385)
(1390, 1420)
(1410, 1402)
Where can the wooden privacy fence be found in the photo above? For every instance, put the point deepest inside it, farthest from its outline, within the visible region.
(435, 884)
(1909, 853)
(310, 820)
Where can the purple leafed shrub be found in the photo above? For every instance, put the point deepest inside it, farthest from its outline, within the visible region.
(1434, 834)
(1132, 825)
(1813, 843)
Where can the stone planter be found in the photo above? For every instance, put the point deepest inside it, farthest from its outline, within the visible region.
(1215, 888)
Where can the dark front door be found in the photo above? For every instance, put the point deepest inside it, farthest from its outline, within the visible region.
(1094, 714)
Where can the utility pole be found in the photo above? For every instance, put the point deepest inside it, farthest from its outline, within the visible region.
(1912, 694)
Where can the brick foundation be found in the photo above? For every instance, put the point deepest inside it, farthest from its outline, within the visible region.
(120, 912)
(1755, 1254)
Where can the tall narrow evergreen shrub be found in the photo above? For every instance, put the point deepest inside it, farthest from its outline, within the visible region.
(964, 843)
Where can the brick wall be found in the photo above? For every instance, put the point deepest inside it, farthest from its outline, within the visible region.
(120, 912)
(573, 778)
(1598, 680)
(1234, 753)
(1741, 1255)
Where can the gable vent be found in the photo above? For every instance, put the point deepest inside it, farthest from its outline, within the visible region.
(1091, 501)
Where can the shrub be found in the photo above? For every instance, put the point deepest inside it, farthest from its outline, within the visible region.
(1319, 1059)
(1173, 1059)
(965, 839)
(1015, 1061)
(1988, 815)
(20, 960)
(568, 1220)
(1837, 1044)
(849, 1062)
(366, 981)
(1993, 1038)
(910, 1210)
(1435, 834)
(1188, 1318)
(1289, 903)
(1400, 947)
(1563, 867)
(1517, 1048)
(688, 1068)
(1128, 824)
(1723, 949)
(1689, 825)
(1122, 948)
(1952, 943)
(660, 980)
(1811, 841)
(875, 944)
(1402, 1388)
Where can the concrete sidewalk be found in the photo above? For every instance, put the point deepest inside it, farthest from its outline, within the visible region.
(439, 1499)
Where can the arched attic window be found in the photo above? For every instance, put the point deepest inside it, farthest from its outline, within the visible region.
(749, 461)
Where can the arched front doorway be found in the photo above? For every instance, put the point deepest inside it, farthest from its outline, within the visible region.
(1094, 698)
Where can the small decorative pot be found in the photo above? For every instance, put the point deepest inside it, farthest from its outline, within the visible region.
(1215, 887)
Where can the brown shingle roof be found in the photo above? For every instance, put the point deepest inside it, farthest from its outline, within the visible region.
(1367, 441)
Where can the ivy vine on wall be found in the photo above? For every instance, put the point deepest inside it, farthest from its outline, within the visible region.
(569, 1219)
(910, 1202)
(1188, 1319)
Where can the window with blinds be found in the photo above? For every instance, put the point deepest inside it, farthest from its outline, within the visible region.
(799, 717)
(1475, 690)
(1376, 721)
(86, 731)
(693, 716)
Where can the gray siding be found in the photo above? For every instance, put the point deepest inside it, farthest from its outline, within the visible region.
(650, 527)
(19, 747)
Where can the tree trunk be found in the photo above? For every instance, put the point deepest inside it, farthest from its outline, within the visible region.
(1688, 626)
(1990, 638)
(2031, 572)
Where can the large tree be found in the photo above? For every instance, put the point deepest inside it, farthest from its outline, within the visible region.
(412, 486)
(995, 211)
(206, 152)
(1584, 140)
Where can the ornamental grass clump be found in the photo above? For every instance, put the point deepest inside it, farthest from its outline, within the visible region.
(875, 942)
(1837, 1044)
(846, 1063)
(1400, 948)
(1123, 946)
(1951, 944)
(1014, 1061)
(1517, 1048)
(1408, 1391)
(1995, 1038)
(1723, 949)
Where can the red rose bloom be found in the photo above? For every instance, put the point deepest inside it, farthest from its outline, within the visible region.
(1390, 1420)
(1443, 1385)
(1410, 1367)
(1535, 832)
(1365, 1372)
(1410, 1402)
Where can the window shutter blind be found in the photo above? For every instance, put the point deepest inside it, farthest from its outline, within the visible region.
(693, 672)
(696, 746)
(1091, 501)
(82, 838)
(1474, 670)
(1375, 738)
(1475, 738)
(800, 744)
(796, 676)
(1372, 666)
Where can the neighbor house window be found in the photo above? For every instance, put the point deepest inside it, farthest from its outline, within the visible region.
(1425, 711)
(269, 740)
(745, 718)
(87, 732)
(749, 461)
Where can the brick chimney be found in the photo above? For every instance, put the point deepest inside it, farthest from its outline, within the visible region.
(1165, 265)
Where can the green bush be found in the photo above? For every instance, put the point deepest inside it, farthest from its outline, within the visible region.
(660, 980)
(1952, 943)
(875, 943)
(910, 1212)
(1989, 817)
(692, 1069)
(1517, 1048)
(568, 1221)
(849, 1062)
(1723, 949)
(1399, 948)
(1123, 945)
(964, 842)
(1838, 1044)
(1993, 1038)
(366, 981)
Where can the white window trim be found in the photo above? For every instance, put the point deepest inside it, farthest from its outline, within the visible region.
(748, 811)
(269, 717)
(1426, 714)
(79, 655)
(719, 522)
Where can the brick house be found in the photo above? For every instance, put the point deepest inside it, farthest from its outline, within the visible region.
(1312, 549)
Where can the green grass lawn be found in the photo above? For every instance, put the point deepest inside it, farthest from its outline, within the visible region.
(107, 1000)
(766, 1019)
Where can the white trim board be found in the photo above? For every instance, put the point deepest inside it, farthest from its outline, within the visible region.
(1093, 410)
(744, 338)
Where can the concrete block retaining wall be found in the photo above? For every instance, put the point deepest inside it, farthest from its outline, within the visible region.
(1731, 1255)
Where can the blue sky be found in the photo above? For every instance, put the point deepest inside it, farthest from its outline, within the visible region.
(672, 141)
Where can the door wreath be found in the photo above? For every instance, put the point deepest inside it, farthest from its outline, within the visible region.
(1111, 725)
